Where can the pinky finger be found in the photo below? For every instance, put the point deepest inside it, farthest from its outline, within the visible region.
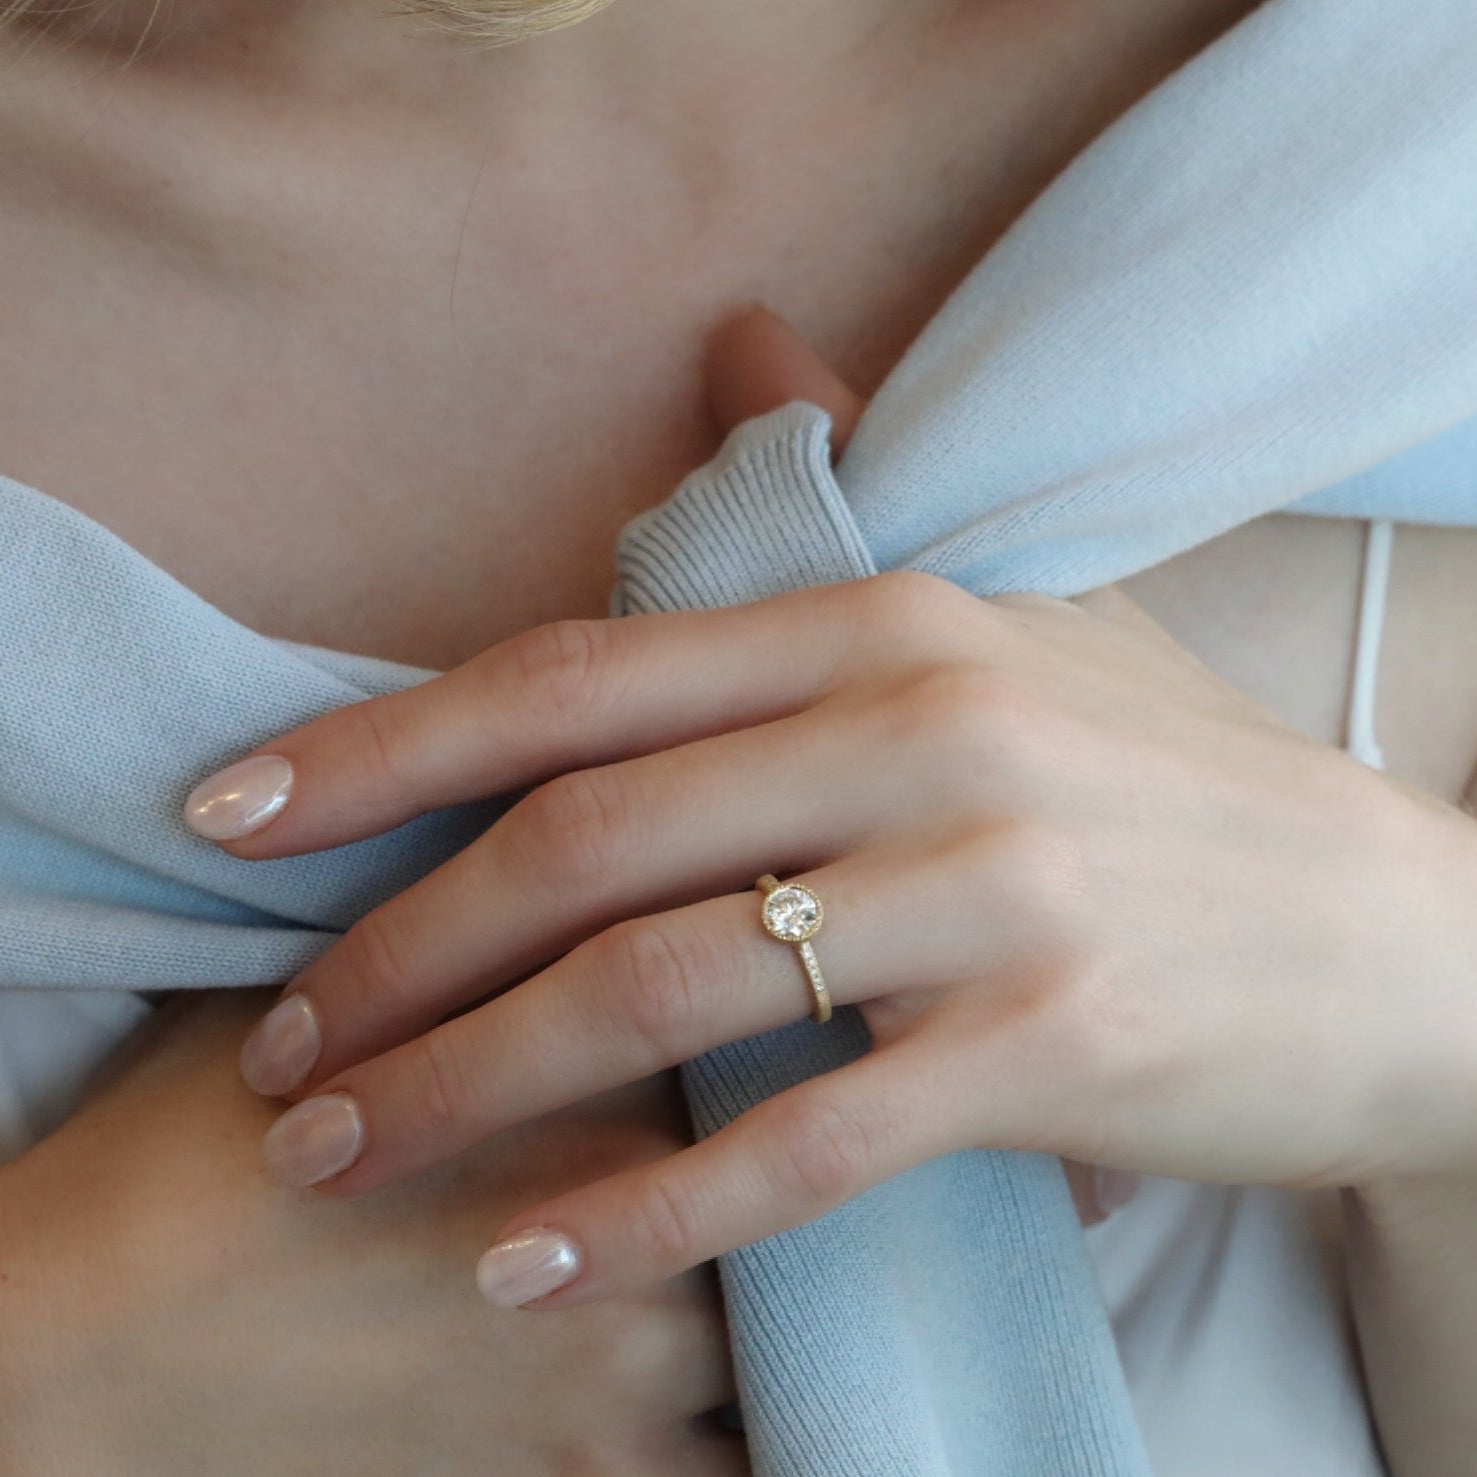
(786, 1161)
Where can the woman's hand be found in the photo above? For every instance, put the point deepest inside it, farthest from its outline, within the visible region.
(165, 1311)
(1090, 899)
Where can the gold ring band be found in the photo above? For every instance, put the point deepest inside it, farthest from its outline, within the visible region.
(792, 914)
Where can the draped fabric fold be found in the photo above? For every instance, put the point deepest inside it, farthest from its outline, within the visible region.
(1253, 293)
(946, 1321)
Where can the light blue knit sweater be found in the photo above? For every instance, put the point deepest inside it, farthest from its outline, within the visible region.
(1255, 292)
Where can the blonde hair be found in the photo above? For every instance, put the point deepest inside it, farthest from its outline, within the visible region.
(494, 22)
(501, 22)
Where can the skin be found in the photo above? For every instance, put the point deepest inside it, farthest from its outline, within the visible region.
(304, 464)
(217, 1326)
(314, 468)
(1114, 821)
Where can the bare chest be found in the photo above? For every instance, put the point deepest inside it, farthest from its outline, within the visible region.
(412, 425)
(302, 516)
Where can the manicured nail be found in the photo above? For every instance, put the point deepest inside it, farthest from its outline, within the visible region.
(316, 1139)
(281, 1051)
(239, 799)
(530, 1265)
(1114, 1188)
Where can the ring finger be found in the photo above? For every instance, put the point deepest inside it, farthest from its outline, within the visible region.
(639, 997)
(581, 853)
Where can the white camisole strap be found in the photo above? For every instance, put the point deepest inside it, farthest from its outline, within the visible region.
(1360, 740)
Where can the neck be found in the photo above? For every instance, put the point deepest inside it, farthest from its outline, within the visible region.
(691, 70)
(683, 98)
(345, 33)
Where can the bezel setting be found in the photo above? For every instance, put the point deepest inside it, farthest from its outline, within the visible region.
(782, 896)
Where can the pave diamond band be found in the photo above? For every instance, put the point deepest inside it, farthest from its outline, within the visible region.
(792, 913)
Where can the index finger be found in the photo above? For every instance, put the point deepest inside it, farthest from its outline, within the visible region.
(562, 696)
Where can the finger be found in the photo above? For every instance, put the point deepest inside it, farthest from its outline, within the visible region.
(564, 696)
(579, 854)
(645, 995)
(756, 362)
(596, 846)
(781, 1164)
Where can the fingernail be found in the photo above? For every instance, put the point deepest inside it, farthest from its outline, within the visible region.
(530, 1265)
(316, 1139)
(1114, 1188)
(281, 1050)
(239, 799)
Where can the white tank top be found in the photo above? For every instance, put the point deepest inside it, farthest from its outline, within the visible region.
(1228, 1302)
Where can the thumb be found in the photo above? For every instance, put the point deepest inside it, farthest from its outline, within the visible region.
(756, 362)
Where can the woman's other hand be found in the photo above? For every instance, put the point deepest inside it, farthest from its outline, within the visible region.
(165, 1311)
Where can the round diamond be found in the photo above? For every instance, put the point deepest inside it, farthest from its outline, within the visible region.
(792, 913)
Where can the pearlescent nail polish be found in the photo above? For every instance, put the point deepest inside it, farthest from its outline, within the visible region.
(315, 1140)
(239, 799)
(530, 1265)
(282, 1048)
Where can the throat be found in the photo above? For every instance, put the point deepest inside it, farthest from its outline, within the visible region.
(391, 378)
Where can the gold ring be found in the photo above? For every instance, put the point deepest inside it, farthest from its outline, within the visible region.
(792, 914)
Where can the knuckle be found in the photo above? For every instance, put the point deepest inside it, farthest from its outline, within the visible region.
(378, 963)
(1042, 874)
(579, 825)
(907, 603)
(667, 1228)
(607, 1355)
(385, 741)
(441, 1086)
(911, 597)
(824, 1152)
(559, 666)
(1039, 854)
(660, 980)
(596, 1453)
(654, 1341)
(951, 705)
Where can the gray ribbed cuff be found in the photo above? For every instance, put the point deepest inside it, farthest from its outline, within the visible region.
(764, 517)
